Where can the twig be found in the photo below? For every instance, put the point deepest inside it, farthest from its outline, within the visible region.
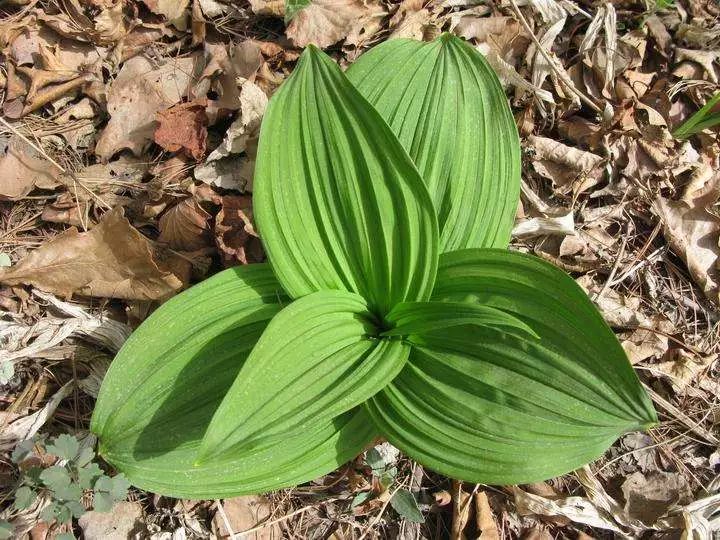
(224, 517)
(376, 519)
(614, 270)
(561, 75)
(240, 535)
(682, 417)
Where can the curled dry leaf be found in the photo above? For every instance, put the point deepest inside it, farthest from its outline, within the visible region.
(693, 231)
(136, 95)
(22, 169)
(170, 9)
(648, 498)
(112, 260)
(570, 169)
(246, 126)
(325, 22)
(183, 127)
(185, 226)
(244, 513)
(235, 232)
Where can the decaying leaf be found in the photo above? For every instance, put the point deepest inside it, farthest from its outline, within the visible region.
(684, 368)
(185, 226)
(183, 127)
(247, 125)
(171, 9)
(693, 232)
(325, 22)
(235, 232)
(136, 95)
(648, 498)
(124, 520)
(22, 169)
(242, 513)
(112, 260)
(570, 169)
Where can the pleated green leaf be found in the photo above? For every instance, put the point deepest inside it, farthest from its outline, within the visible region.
(319, 357)
(486, 406)
(338, 202)
(411, 318)
(168, 380)
(447, 108)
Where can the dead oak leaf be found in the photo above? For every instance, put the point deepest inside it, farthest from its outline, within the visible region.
(235, 234)
(170, 9)
(136, 95)
(22, 170)
(693, 232)
(112, 260)
(183, 127)
(570, 169)
(325, 22)
(184, 227)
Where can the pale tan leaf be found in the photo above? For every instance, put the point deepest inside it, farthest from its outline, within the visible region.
(171, 9)
(112, 260)
(22, 169)
(241, 513)
(325, 22)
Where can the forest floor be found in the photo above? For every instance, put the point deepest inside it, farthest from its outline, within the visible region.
(128, 135)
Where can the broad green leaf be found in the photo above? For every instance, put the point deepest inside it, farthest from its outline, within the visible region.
(168, 380)
(485, 406)
(167, 467)
(318, 358)
(447, 108)
(419, 317)
(338, 202)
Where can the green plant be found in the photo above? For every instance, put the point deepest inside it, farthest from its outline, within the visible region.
(708, 116)
(65, 483)
(391, 306)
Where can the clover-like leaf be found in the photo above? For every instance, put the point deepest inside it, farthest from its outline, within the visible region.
(64, 446)
(24, 497)
(483, 405)
(88, 475)
(338, 202)
(446, 106)
(318, 358)
(172, 374)
(55, 477)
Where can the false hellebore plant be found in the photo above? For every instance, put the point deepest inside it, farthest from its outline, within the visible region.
(390, 306)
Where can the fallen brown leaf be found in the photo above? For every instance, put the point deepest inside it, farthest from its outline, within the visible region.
(112, 260)
(124, 520)
(22, 169)
(485, 521)
(235, 234)
(570, 169)
(693, 232)
(244, 513)
(325, 22)
(171, 9)
(649, 497)
(136, 95)
(185, 227)
(183, 127)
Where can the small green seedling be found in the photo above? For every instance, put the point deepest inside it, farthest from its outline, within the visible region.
(66, 482)
(707, 117)
(391, 306)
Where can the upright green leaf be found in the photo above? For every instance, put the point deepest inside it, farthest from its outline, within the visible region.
(338, 202)
(418, 317)
(319, 357)
(168, 380)
(446, 105)
(485, 406)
